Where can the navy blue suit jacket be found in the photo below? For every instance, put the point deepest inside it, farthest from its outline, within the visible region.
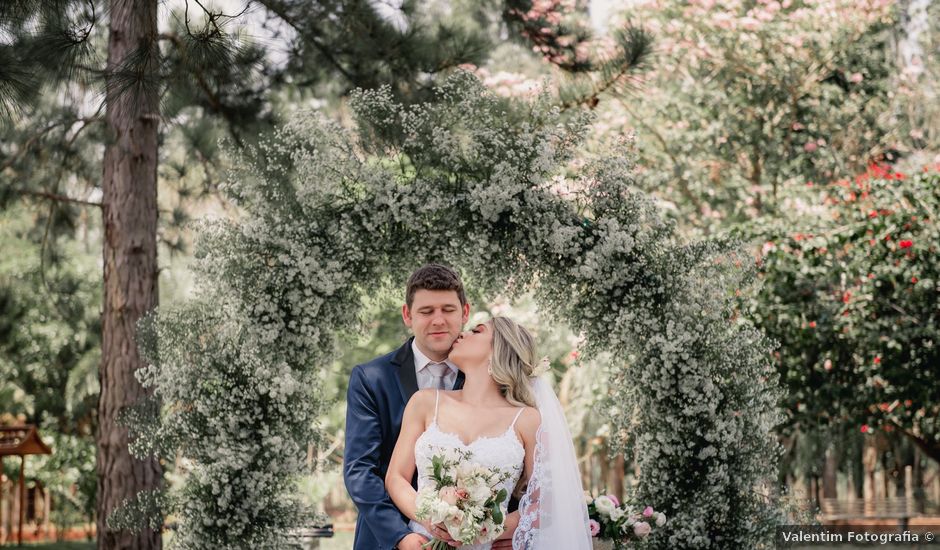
(375, 403)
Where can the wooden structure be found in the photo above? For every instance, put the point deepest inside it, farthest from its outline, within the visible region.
(859, 511)
(20, 441)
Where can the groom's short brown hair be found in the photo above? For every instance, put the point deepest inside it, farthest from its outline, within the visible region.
(434, 277)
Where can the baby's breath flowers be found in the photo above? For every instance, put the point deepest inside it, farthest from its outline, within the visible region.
(327, 216)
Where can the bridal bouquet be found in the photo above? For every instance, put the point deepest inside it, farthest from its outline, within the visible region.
(463, 496)
(618, 524)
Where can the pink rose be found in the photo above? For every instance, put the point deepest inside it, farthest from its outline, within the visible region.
(856, 78)
(810, 147)
(448, 495)
(613, 498)
(648, 511)
(641, 529)
(595, 527)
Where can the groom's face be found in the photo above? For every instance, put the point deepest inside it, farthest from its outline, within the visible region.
(435, 317)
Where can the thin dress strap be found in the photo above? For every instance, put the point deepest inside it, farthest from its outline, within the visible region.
(518, 414)
(437, 401)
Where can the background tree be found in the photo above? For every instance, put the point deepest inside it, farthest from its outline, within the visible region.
(852, 295)
(748, 98)
(49, 354)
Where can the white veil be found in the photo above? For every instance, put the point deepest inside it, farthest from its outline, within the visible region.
(552, 513)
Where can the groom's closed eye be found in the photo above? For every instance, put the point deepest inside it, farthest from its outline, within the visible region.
(429, 311)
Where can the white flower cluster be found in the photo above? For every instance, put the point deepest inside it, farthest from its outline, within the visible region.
(326, 216)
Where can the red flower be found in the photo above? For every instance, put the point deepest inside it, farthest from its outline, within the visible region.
(865, 428)
(877, 360)
(812, 324)
(906, 244)
(846, 296)
(914, 280)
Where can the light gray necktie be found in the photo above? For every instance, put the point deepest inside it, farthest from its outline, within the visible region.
(438, 372)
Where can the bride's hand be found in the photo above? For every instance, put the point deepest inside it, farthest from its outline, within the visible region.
(439, 531)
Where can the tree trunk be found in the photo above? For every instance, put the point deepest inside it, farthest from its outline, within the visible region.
(830, 473)
(130, 260)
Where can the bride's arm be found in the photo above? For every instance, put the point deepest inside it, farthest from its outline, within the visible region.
(402, 465)
(527, 427)
(528, 424)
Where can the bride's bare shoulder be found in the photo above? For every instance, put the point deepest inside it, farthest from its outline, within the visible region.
(529, 421)
(421, 401)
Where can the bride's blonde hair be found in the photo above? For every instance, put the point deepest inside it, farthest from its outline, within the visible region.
(513, 360)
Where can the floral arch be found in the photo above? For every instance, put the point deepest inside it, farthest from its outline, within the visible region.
(327, 214)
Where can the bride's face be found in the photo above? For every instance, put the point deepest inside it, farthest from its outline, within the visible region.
(473, 348)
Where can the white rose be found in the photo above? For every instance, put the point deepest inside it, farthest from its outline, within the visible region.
(616, 514)
(479, 492)
(604, 505)
(660, 519)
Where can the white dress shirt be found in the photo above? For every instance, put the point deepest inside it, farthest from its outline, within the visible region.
(425, 378)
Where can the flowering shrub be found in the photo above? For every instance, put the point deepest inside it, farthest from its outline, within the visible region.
(328, 216)
(746, 98)
(851, 294)
(611, 520)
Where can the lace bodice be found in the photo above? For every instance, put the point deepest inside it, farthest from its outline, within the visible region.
(503, 451)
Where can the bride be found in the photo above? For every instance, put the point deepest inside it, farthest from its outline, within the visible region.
(505, 417)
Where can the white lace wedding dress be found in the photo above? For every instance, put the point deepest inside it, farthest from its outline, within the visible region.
(503, 451)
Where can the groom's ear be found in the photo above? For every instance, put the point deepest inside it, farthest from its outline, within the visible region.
(406, 315)
(466, 313)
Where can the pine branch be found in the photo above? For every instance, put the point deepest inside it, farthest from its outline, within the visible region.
(86, 121)
(56, 197)
(636, 46)
(275, 7)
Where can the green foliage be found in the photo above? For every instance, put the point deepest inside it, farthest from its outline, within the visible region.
(49, 353)
(49, 329)
(747, 99)
(851, 283)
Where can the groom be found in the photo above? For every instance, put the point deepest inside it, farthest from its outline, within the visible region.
(435, 310)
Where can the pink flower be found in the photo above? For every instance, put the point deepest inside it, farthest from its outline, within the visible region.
(641, 529)
(595, 527)
(856, 78)
(448, 495)
(810, 147)
(648, 511)
(613, 498)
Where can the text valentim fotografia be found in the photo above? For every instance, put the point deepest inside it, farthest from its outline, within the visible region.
(851, 536)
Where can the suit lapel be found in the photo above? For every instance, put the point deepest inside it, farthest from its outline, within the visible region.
(407, 378)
